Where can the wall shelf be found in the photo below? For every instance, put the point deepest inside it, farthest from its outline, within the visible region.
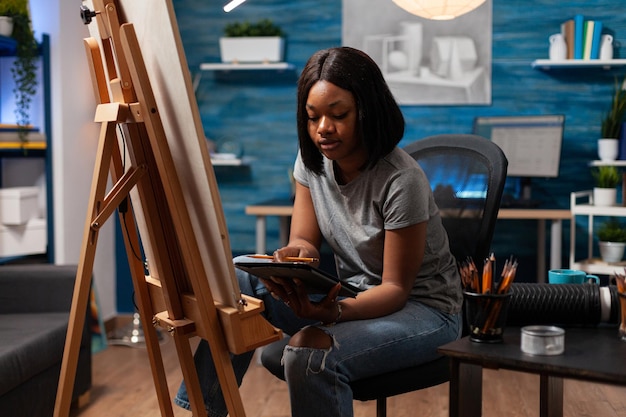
(225, 68)
(228, 162)
(616, 163)
(547, 64)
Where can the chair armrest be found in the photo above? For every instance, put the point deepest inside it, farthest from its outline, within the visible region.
(36, 288)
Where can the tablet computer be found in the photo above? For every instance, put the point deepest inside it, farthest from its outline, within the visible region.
(315, 280)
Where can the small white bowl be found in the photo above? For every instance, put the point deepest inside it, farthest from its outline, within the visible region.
(543, 340)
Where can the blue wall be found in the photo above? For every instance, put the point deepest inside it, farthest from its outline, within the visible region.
(257, 110)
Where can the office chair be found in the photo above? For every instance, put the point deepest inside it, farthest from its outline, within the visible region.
(467, 174)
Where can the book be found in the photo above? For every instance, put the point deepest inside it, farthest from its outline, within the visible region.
(567, 30)
(595, 41)
(315, 280)
(587, 36)
(579, 23)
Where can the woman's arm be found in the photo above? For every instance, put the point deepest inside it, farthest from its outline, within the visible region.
(402, 259)
(403, 255)
(305, 237)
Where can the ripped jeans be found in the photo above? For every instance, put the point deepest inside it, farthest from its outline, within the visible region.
(318, 380)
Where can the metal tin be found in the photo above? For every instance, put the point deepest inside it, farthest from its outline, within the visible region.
(542, 340)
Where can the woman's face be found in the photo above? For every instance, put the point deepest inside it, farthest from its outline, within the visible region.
(332, 116)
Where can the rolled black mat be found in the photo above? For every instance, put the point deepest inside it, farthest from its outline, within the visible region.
(560, 304)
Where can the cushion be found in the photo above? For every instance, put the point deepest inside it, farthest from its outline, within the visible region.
(30, 344)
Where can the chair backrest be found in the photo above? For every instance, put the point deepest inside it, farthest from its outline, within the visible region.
(467, 174)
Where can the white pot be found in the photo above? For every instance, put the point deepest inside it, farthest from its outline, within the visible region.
(612, 251)
(252, 49)
(604, 196)
(6, 26)
(608, 149)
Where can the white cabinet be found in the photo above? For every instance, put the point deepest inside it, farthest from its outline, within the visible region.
(581, 204)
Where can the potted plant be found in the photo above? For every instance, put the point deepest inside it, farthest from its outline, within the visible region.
(611, 126)
(24, 68)
(612, 240)
(6, 25)
(606, 178)
(613, 119)
(246, 42)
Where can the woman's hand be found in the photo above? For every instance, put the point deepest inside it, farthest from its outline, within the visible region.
(297, 251)
(293, 293)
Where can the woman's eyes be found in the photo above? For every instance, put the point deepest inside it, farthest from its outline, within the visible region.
(336, 117)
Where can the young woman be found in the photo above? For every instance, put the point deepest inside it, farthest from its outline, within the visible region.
(371, 202)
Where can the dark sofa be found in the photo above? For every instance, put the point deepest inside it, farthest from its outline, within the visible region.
(35, 302)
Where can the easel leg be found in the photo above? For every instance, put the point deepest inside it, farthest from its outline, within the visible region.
(133, 249)
(190, 375)
(82, 286)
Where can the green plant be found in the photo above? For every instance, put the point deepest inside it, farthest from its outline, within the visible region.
(612, 230)
(606, 176)
(263, 27)
(24, 68)
(613, 119)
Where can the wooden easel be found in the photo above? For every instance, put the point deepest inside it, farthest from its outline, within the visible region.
(187, 286)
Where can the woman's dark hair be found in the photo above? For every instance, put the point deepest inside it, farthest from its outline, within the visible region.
(380, 123)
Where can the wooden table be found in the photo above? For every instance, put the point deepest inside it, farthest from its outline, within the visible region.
(283, 208)
(591, 354)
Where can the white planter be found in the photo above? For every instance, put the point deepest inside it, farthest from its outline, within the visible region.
(252, 49)
(608, 149)
(604, 197)
(612, 251)
(6, 26)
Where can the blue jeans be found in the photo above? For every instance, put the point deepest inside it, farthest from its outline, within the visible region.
(318, 380)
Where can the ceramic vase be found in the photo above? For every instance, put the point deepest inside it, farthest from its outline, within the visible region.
(604, 197)
(6, 26)
(606, 47)
(558, 47)
(608, 149)
(612, 251)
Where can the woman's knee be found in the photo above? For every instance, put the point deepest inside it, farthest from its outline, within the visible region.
(311, 337)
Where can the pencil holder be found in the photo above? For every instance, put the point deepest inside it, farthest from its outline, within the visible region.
(485, 315)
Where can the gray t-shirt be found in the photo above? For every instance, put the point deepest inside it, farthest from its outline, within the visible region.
(353, 219)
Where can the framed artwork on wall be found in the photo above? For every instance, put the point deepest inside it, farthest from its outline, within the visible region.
(425, 62)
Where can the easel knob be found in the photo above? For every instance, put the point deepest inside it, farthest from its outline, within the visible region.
(86, 15)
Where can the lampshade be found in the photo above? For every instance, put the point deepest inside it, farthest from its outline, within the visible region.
(438, 9)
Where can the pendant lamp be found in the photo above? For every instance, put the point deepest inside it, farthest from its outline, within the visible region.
(438, 9)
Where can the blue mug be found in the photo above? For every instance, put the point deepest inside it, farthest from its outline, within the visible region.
(570, 276)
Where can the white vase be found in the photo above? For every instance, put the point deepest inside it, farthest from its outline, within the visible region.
(558, 47)
(611, 251)
(608, 149)
(6, 26)
(604, 196)
(606, 47)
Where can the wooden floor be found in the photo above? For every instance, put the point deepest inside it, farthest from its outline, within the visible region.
(123, 387)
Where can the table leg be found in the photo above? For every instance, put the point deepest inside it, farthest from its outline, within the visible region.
(556, 237)
(541, 251)
(551, 396)
(284, 230)
(260, 234)
(466, 389)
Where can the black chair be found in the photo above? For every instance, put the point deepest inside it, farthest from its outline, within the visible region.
(467, 174)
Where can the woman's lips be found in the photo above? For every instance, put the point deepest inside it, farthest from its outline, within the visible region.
(328, 145)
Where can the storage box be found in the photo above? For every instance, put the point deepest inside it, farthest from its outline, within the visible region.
(18, 205)
(24, 239)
